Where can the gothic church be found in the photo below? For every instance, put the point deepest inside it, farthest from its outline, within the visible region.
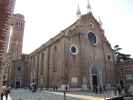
(79, 56)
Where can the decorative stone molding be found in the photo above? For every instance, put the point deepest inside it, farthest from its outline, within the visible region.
(74, 49)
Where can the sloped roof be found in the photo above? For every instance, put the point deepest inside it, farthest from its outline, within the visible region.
(62, 33)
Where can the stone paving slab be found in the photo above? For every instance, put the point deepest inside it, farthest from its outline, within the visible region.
(28, 95)
(82, 97)
(128, 98)
(47, 95)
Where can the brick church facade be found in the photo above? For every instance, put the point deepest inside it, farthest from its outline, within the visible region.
(79, 57)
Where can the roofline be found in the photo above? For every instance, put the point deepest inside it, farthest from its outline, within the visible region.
(53, 39)
(60, 35)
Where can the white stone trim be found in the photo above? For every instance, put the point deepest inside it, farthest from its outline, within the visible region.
(77, 50)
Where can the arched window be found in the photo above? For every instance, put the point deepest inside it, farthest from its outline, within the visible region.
(42, 63)
(108, 56)
(54, 59)
(92, 37)
(91, 25)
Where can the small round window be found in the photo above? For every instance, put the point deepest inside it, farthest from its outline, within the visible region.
(92, 37)
(73, 49)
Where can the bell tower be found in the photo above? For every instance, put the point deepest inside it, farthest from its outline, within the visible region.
(16, 39)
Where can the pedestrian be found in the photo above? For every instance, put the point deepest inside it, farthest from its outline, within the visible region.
(100, 89)
(66, 88)
(126, 90)
(5, 91)
(119, 90)
(115, 90)
(64, 95)
(56, 87)
(95, 89)
(104, 88)
(33, 86)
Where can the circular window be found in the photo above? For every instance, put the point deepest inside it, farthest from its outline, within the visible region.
(73, 49)
(92, 37)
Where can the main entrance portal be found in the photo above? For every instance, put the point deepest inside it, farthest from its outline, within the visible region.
(18, 84)
(94, 83)
(94, 80)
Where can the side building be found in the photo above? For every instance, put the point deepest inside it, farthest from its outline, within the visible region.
(124, 73)
(16, 63)
(17, 77)
(79, 57)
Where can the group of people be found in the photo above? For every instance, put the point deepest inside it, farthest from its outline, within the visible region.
(5, 90)
(117, 89)
(97, 89)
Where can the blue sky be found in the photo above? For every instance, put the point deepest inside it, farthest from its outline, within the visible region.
(46, 18)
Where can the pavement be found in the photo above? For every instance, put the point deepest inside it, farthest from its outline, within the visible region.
(80, 97)
(25, 94)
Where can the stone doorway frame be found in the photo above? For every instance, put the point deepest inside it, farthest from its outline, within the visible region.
(18, 84)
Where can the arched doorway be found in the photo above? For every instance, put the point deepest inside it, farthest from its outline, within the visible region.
(94, 79)
(18, 84)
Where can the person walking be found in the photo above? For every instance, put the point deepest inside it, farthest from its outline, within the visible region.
(5, 91)
(33, 86)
